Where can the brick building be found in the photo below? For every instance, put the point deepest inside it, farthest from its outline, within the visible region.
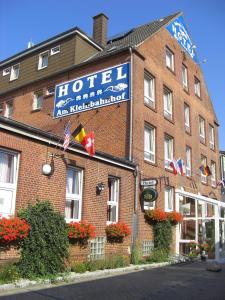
(168, 115)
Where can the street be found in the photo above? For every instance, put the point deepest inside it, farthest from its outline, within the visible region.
(177, 282)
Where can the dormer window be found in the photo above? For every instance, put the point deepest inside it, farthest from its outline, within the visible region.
(43, 60)
(8, 110)
(55, 50)
(6, 71)
(14, 74)
(37, 100)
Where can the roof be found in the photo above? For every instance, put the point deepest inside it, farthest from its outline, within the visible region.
(134, 37)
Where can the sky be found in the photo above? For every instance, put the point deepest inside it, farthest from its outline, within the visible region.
(25, 20)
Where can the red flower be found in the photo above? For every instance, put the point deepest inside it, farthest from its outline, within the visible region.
(13, 229)
(117, 231)
(81, 230)
(155, 215)
(174, 217)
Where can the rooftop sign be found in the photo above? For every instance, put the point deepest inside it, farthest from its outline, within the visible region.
(178, 30)
(106, 87)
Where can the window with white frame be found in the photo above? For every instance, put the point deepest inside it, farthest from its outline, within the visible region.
(213, 175)
(197, 87)
(187, 117)
(202, 129)
(211, 137)
(15, 70)
(113, 202)
(169, 59)
(168, 151)
(97, 248)
(43, 60)
(8, 110)
(73, 194)
(149, 143)
(149, 90)
(188, 161)
(147, 247)
(169, 198)
(168, 103)
(8, 180)
(203, 164)
(55, 50)
(37, 100)
(184, 77)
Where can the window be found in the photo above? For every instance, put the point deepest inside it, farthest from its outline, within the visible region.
(188, 161)
(149, 90)
(169, 59)
(37, 100)
(97, 248)
(203, 163)
(211, 137)
(202, 129)
(168, 103)
(149, 143)
(168, 198)
(6, 72)
(43, 60)
(187, 117)
(8, 110)
(55, 50)
(184, 77)
(168, 148)
(213, 175)
(113, 202)
(8, 179)
(73, 194)
(147, 247)
(14, 72)
(197, 87)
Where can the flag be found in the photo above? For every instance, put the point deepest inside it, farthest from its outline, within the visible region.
(67, 135)
(202, 170)
(208, 171)
(89, 143)
(174, 166)
(181, 166)
(79, 134)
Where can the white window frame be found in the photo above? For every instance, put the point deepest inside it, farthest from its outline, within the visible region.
(203, 163)
(75, 197)
(168, 103)
(36, 104)
(169, 198)
(167, 160)
(149, 154)
(169, 59)
(149, 89)
(13, 74)
(213, 175)
(40, 60)
(6, 71)
(202, 129)
(11, 187)
(188, 161)
(184, 77)
(187, 117)
(197, 86)
(55, 50)
(8, 110)
(114, 198)
(211, 137)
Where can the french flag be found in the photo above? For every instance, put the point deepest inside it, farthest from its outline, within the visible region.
(181, 166)
(175, 167)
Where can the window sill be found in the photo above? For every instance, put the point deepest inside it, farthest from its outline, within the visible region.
(154, 164)
(188, 132)
(171, 70)
(204, 183)
(202, 142)
(10, 80)
(186, 90)
(199, 97)
(72, 220)
(42, 68)
(151, 107)
(170, 170)
(169, 120)
(36, 110)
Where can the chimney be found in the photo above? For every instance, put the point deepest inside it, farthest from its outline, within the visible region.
(100, 26)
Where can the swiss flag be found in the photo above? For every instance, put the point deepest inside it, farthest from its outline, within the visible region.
(89, 143)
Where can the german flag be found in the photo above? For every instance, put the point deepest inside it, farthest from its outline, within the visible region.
(79, 134)
(208, 171)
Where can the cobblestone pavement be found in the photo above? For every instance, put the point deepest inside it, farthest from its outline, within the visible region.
(178, 282)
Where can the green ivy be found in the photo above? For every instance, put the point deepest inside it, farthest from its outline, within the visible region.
(46, 248)
(162, 235)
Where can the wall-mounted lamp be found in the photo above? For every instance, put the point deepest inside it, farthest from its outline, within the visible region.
(100, 187)
(47, 169)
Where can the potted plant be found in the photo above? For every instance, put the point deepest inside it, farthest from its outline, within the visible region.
(80, 232)
(116, 232)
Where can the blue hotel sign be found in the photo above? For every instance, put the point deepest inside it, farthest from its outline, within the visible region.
(106, 87)
(179, 31)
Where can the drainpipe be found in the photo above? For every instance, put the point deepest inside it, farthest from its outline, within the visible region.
(135, 213)
(131, 104)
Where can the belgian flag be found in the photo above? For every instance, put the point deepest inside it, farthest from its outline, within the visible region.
(87, 140)
(79, 134)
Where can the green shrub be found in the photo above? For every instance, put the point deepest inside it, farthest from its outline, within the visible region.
(9, 273)
(95, 265)
(116, 261)
(136, 254)
(79, 267)
(158, 255)
(162, 235)
(44, 251)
